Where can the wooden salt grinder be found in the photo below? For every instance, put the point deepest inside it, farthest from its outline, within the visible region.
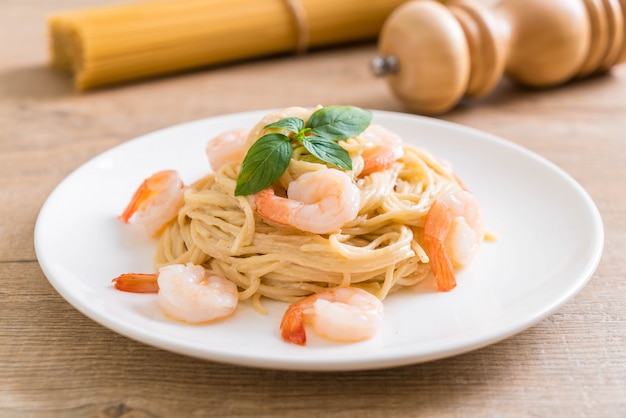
(432, 55)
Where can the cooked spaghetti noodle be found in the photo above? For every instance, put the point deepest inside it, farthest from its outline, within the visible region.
(380, 250)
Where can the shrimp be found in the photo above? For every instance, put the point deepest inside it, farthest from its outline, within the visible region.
(229, 146)
(319, 201)
(156, 201)
(343, 314)
(453, 232)
(186, 292)
(386, 149)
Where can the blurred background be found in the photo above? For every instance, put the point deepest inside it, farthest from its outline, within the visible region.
(56, 362)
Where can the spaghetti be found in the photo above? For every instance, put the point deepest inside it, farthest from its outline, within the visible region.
(123, 42)
(380, 250)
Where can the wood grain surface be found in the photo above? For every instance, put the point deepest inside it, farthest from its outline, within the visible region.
(55, 362)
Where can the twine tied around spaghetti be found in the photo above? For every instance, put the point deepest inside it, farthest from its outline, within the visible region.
(302, 25)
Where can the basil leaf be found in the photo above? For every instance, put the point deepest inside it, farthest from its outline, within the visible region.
(339, 122)
(266, 160)
(292, 124)
(328, 151)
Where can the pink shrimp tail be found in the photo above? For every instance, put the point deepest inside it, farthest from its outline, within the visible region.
(137, 283)
(437, 223)
(269, 207)
(144, 192)
(141, 194)
(292, 326)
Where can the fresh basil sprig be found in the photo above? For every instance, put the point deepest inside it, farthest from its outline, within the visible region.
(268, 158)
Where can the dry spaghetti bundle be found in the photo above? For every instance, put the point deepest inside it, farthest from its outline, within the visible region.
(119, 43)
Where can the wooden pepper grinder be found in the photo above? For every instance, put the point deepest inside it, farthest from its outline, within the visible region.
(433, 55)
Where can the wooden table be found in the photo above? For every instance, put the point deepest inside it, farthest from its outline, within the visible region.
(56, 362)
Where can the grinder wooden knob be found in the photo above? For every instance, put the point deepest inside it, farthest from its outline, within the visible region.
(433, 55)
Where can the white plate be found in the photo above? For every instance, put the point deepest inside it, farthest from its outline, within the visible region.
(550, 242)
